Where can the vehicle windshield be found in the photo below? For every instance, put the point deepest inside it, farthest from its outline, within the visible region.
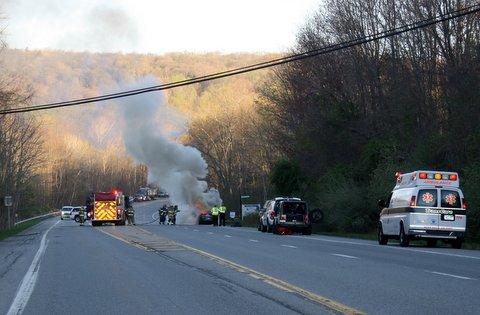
(294, 208)
(450, 199)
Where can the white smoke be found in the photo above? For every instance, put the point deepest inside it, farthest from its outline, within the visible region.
(149, 133)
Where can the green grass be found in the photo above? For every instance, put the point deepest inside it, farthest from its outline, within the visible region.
(19, 228)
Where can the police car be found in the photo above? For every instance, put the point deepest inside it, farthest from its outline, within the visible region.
(424, 205)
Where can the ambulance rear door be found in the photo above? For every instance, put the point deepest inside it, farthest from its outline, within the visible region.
(452, 217)
(426, 215)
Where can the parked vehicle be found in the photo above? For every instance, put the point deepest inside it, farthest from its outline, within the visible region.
(424, 205)
(65, 212)
(75, 214)
(285, 212)
(109, 207)
(205, 218)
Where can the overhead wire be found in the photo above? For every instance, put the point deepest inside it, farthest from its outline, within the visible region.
(258, 66)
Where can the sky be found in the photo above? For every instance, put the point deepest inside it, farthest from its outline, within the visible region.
(155, 26)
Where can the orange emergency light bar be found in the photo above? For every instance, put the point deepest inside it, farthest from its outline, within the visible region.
(437, 176)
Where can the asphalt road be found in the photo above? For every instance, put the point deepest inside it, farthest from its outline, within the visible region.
(218, 270)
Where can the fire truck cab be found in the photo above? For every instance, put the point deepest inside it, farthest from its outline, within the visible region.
(424, 205)
(108, 207)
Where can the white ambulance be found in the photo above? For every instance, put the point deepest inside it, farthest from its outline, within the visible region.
(424, 205)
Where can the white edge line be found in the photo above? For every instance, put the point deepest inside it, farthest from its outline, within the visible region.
(289, 246)
(227, 235)
(450, 275)
(255, 241)
(390, 247)
(28, 282)
(345, 256)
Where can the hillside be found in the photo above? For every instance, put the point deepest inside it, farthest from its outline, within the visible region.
(83, 148)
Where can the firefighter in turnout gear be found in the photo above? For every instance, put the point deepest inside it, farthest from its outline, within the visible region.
(172, 214)
(81, 216)
(129, 212)
(215, 215)
(162, 214)
(221, 216)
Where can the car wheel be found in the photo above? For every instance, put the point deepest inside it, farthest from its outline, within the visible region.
(61, 218)
(404, 241)
(269, 228)
(382, 239)
(431, 243)
(264, 228)
(275, 229)
(457, 243)
(307, 231)
(77, 218)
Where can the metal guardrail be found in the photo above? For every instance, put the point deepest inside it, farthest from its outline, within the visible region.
(51, 214)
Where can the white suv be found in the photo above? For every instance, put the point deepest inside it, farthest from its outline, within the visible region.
(270, 213)
(65, 212)
(74, 215)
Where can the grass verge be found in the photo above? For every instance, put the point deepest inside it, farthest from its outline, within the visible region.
(19, 228)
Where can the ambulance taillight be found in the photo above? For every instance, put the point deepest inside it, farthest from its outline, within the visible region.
(464, 204)
(412, 201)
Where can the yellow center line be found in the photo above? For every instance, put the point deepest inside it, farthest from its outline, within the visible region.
(326, 302)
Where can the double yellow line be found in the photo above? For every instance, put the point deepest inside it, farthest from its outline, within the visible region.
(280, 284)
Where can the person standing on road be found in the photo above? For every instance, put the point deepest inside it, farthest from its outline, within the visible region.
(175, 211)
(215, 215)
(172, 214)
(222, 210)
(81, 216)
(162, 214)
(129, 212)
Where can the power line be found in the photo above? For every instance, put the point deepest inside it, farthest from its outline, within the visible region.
(258, 66)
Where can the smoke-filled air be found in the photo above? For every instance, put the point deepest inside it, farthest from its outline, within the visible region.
(150, 132)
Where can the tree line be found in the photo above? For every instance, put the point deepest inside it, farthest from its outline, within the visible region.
(350, 119)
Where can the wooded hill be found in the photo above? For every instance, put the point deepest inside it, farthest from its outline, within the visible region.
(78, 154)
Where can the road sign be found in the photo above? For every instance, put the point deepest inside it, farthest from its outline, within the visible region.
(244, 197)
(8, 201)
(232, 215)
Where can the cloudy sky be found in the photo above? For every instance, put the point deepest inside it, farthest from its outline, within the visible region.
(155, 26)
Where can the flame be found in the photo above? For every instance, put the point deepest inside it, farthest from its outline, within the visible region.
(201, 207)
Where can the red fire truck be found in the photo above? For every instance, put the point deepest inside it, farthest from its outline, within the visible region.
(108, 207)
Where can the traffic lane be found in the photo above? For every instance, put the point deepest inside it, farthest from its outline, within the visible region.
(86, 271)
(366, 284)
(149, 211)
(16, 254)
(445, 261)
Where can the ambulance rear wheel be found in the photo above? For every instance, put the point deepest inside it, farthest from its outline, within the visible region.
(457, 243)
(264, 228)
(382, 239)
(404, 241)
